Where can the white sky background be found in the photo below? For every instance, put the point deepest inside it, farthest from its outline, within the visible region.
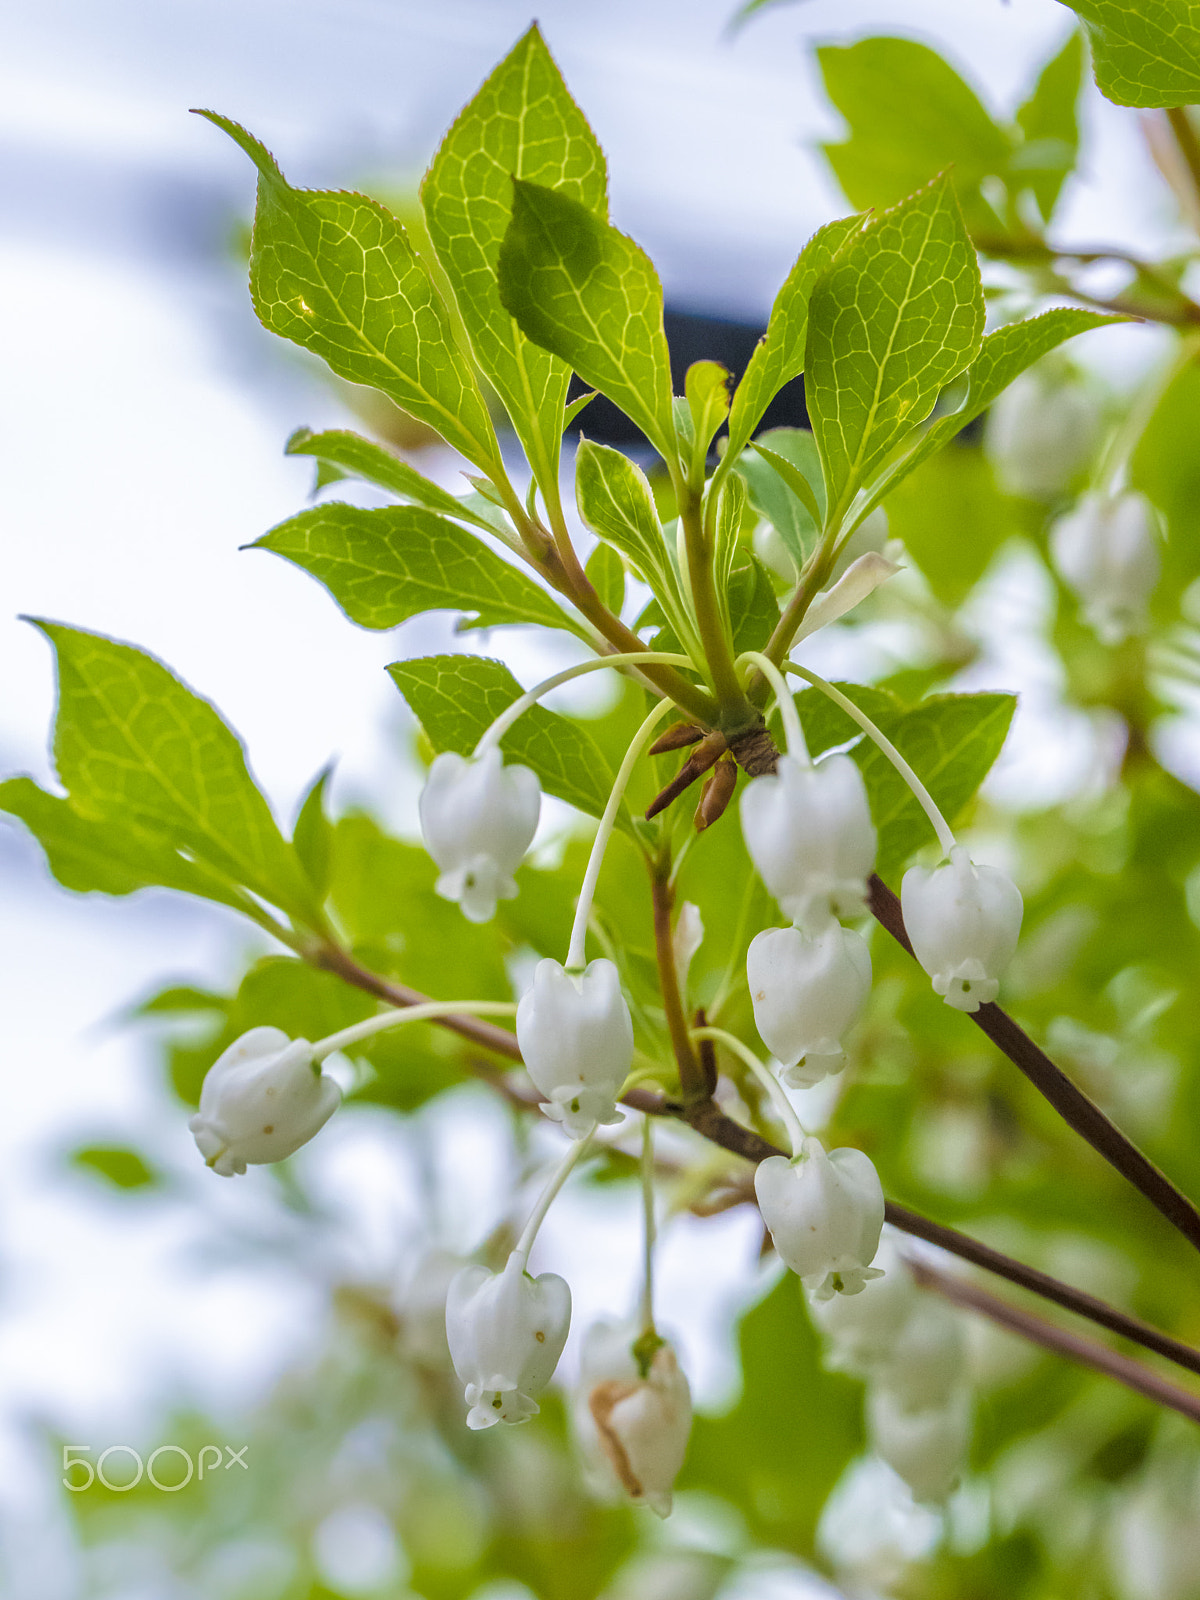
(143, 416)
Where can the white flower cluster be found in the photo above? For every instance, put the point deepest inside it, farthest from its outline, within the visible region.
(911, 1350)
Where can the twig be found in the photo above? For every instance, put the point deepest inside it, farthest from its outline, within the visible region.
(331, 958)
(1083, 1114)
(1041, 1283)
(1073, 1345)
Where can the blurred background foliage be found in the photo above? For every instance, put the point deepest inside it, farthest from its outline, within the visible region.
(365, 1480)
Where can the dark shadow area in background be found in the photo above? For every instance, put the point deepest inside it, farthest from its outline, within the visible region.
(693, 337)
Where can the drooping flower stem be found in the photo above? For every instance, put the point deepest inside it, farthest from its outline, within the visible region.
(547, 1198)
(431, 1011)
(779, 1099)
(647, 1329)
(576, 953)
(792, 729)
(633, 658)
(922, 795)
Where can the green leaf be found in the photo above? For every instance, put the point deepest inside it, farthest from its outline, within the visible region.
(456, 698)
(753, 609)
(731, 512)
(522, 123)
(279, 992)
(1003, 356)
(582, 290)
(779, 355)
(911, 116)
(135, 746)
(312, 837)
(1146, 54)
(335, 272)
(826, 725)
(951, 742)
(385, 565)
(108, 855)
(795, 481)
(605, 571)
(361, 458)
(898, 315)
(773, 498)
(123, 1168)
(706, 387)
(1050, 124)
(616, 501)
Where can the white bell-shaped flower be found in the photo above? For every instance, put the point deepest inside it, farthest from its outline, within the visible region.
(807, 990)
(928, 1449)
(1040, 433)
(506, 1332)
(261, 1100)
(927, 1361)
(478, 818)
(824, 1212)
(809, 832)
(1107, 551)
(643, 1425)
(860, 1329)
(576, 1039)
(964, 922)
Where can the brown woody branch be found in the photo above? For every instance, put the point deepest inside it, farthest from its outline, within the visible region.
(1082, 1113)
(1132, 1374)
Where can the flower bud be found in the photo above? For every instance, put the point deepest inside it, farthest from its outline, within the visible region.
(478, 818)
(506, 1332)
(576, 1040)
(824, 1213)
(860, 1329)
(1106, 550)
(1040, 434)
(927, 1361)
(806, 991)
(809, 832)
(963, 922)
(643, 1426)
(928, 1449)
(261, 1100)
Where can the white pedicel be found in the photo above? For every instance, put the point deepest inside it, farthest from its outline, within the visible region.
(478, 818)
(825, 1213)
(964, 922)
(506, 1332)
(806, 992)
(576, 1040)
(261, 1100)
(809, 832)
